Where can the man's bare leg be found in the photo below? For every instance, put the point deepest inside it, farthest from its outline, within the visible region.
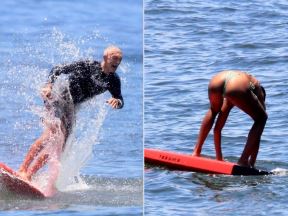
(33, 152)
(38, 164)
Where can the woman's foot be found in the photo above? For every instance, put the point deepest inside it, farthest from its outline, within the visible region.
(194, 154)
(243, 163)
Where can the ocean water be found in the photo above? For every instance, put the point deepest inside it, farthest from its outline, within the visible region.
(105, 153)
(186, 43)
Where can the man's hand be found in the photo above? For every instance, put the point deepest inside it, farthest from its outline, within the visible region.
(114, 103)
(46, 91)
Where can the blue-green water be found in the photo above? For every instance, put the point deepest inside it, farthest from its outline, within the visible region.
(34, 36)
(186, 43)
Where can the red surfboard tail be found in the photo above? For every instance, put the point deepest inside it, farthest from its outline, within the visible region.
(186, 162)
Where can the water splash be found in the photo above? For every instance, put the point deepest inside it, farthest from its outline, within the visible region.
(280, 171)
(79, 146)
(65, 167)
(67, 49)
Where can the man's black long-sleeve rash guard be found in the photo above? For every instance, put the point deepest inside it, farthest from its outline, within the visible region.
(86, 79)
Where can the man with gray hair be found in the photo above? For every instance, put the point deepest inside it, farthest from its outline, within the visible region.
(85, 79)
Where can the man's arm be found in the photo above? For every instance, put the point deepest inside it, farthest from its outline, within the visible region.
(66, 69)
(116, 101)
(54, 73)
(46, 91)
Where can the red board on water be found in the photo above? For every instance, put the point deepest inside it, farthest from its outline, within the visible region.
(187, 162)
(11, 180)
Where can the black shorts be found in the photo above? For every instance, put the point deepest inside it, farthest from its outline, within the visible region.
(60, 109)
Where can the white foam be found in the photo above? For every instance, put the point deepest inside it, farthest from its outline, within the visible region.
(280, 171)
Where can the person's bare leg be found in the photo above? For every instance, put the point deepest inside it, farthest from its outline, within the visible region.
(249, 103)
(206, 126)
(40, 159)
(38, 164)
(253, 156)
(221, 120)
(34, 150)
(216, 101)
(253, 142)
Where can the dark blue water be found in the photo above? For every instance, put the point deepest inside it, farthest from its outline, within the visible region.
(107, 150)
(186, 43)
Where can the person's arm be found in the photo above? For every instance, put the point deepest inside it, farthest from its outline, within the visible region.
(46, 91)
(62, 69)
(54, 74)
(116, 101)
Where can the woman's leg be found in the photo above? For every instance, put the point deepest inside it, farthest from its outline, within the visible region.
(221, 120)
(216, 101)
(249, 103)
(206, 126)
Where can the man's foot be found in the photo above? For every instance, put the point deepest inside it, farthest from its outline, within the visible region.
(24, 176)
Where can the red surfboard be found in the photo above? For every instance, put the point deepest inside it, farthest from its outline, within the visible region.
(13, 182)
(186, 162)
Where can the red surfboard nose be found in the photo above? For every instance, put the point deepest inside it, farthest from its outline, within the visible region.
(11, 180)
